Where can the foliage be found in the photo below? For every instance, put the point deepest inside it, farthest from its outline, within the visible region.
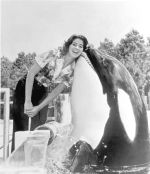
(11, 72)
(109, 47)
(5, 72)
(133, 52)
(132, 43)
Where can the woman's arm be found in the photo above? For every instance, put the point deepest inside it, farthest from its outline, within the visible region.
(29, 85)
(52, 95)
(47, 100)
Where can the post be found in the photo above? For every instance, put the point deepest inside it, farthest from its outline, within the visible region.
(148, 100)
(6, 92)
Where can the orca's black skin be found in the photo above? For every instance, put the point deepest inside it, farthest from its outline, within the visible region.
(20, 120)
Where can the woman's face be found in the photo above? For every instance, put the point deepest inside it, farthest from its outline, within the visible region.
(76, 48)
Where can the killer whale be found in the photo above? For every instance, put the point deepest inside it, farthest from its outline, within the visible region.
(112, 123)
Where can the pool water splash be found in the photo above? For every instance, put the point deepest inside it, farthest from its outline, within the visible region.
(57, 160)
(57, 155)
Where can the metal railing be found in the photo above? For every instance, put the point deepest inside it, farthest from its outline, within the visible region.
(6, 92)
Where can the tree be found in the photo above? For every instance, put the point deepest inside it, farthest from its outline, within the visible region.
(133, 52)
(109, 47)
(132, 43)
(21, 66)
(133, 55)
(5, 72)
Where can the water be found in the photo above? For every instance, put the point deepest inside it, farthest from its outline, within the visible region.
(24, 170)
(35, 148)
(57, 157)
(57, 153)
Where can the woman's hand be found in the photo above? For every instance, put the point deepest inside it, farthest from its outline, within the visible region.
(32, 112)
(27, 107)
(84, 54)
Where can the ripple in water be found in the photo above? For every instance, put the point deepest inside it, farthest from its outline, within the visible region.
(57, 154)
(57, 159)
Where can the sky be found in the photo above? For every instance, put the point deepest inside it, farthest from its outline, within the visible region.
(40, 25)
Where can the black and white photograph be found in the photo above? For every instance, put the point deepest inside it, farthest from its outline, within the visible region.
(75, 87)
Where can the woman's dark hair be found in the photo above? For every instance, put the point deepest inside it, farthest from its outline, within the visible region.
(71, 39)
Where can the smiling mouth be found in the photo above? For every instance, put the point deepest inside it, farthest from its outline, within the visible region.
(75, 52)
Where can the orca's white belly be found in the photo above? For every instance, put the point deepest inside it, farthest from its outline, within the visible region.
(89, 107)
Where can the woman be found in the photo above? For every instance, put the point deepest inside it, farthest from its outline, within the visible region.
(59, 67)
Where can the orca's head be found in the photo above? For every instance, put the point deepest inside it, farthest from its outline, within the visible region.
(116, 81)
(114, 75)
